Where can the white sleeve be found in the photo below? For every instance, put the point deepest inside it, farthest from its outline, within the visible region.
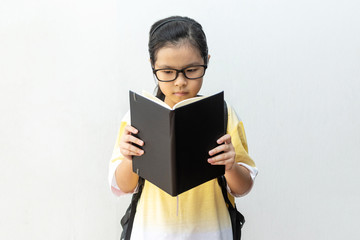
(253, 173)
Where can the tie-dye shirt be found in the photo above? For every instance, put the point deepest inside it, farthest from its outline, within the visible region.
(199, 213)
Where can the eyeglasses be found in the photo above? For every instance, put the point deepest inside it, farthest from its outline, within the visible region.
(169, 74)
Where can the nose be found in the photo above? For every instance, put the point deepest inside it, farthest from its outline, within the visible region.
(181, 80)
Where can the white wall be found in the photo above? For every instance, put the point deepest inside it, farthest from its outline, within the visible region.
(291, 70)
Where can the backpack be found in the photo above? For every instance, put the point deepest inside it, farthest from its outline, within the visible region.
(237, 219)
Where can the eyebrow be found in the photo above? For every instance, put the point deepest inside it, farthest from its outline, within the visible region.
(188, 65)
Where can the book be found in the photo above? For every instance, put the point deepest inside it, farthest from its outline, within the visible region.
(177, 140)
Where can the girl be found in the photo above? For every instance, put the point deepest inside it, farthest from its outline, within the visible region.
(179, 58)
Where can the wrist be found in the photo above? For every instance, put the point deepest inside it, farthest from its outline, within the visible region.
(231, 168)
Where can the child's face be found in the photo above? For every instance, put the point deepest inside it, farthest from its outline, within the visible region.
(179, 57)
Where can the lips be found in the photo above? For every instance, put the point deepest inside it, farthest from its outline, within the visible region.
(180, 93)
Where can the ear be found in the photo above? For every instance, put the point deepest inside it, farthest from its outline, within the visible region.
(209, 58)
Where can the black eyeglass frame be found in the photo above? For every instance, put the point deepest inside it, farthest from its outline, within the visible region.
(178, 71)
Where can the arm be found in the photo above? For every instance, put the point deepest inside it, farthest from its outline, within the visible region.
(239, 180)
(237, 176)
(240, 168)
(126, 179)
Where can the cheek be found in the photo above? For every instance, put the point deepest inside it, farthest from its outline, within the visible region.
(196, 85)
(163, 87)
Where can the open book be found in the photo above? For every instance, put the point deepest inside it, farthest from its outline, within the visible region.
(177, 140)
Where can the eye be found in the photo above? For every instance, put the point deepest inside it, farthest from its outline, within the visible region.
(167, 71)
(192, 69)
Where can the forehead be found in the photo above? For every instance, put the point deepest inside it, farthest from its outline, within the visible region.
(178, 56)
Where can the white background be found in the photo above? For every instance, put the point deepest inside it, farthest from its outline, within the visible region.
(291, 69)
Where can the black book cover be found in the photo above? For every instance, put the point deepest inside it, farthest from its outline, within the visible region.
(177, 141)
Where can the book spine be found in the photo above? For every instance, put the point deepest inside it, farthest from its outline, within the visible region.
(174, 183)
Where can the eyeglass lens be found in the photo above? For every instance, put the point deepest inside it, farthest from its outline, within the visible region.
(171, 74)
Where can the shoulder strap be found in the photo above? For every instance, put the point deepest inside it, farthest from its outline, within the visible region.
(128, 220)
(237, 219)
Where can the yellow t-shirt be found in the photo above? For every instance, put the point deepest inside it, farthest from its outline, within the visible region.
(199, 213)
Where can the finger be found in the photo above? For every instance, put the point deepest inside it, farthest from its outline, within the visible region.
(130, 152)
(224, 139)
(220, 158)
(227, 163)
(129, 149)
(223, 162)
(130, 129)
(132, 139)
(219, 149)
(126, 152)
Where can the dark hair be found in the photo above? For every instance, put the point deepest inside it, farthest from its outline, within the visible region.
(173, 31)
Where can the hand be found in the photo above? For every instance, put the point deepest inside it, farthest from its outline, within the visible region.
(127, 149)
(227, 157)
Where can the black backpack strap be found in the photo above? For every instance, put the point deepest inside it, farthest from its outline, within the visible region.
(128, 219)
(237, 219)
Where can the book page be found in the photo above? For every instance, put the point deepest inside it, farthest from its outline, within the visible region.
(187, 101)
(154, 99)
(179, 104)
